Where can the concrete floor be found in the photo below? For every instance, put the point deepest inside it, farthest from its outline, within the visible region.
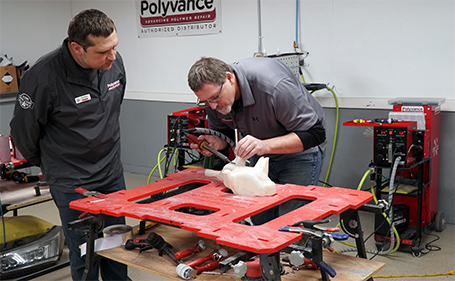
(398, 263)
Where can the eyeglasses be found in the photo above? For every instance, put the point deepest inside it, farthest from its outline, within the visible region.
(214, 99)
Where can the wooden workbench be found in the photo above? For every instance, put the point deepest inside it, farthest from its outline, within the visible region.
(348, 268)
(15, 195)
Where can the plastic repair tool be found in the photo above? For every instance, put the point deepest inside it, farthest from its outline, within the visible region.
(216, 256)
(205, 145)
(183, 270)
(200, 246)
(154, 240)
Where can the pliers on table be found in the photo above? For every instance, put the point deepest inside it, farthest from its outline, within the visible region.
(314, 225)
(335, 236)
(309, 226)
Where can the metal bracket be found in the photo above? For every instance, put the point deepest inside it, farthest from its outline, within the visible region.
(270, 266)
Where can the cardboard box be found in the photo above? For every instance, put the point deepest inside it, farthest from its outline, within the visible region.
(8, 79)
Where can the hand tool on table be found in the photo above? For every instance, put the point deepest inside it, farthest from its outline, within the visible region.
(205, 145)
(314, 224)
(335, 236)
(183, 270)
(88, 193)
(216, 255)
(141, 243)
(154, 240)
(157, 242)
(200, 246)
(324, 239)
(208, 267)
(308, 226)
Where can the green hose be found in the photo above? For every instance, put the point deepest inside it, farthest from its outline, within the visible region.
(334, 136)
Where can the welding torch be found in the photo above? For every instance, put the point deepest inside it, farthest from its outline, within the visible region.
(202, 144)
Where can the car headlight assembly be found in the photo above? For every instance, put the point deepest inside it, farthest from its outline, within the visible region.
(32, 253)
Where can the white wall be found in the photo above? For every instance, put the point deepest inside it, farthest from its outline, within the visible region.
(371, 51)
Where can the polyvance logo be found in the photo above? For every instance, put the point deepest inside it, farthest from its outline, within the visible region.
(162, 12)
(113, 85)
(412, 109)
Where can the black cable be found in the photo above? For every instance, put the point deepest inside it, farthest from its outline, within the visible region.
(173, 134)
(377, 228)
(382, 184)
(402, 169)
(429, 247)
(385, 236)
(212, 132)
(325, 183)
(193, 157)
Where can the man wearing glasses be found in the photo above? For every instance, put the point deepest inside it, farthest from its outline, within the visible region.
(277, 117)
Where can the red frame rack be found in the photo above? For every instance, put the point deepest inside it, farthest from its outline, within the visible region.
(228, 209)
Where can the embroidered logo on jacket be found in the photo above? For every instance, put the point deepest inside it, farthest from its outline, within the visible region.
(113, 85)
(25, 101)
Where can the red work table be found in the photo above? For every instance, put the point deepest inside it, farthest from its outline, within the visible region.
(227, 209)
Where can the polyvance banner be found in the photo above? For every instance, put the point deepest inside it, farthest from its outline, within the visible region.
(160, 18)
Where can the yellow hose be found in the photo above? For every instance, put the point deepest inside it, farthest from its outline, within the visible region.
(334, 136)
(451, 272)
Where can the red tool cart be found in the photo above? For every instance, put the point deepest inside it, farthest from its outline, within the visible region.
(415, 188)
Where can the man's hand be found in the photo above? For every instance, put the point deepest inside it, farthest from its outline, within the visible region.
(249, 146)
(213, 141)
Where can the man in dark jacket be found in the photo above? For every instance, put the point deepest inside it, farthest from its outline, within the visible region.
(66, 121)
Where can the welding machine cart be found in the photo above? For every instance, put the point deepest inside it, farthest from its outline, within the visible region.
(415, 196)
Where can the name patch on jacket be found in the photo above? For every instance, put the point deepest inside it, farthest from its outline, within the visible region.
(83, 98)
(113, 85)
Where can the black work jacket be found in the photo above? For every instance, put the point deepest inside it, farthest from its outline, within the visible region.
(66, 120)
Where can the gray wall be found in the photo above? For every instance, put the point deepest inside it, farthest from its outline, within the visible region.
(6, 112)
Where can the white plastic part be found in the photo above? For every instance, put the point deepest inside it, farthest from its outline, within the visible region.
(248, 181)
